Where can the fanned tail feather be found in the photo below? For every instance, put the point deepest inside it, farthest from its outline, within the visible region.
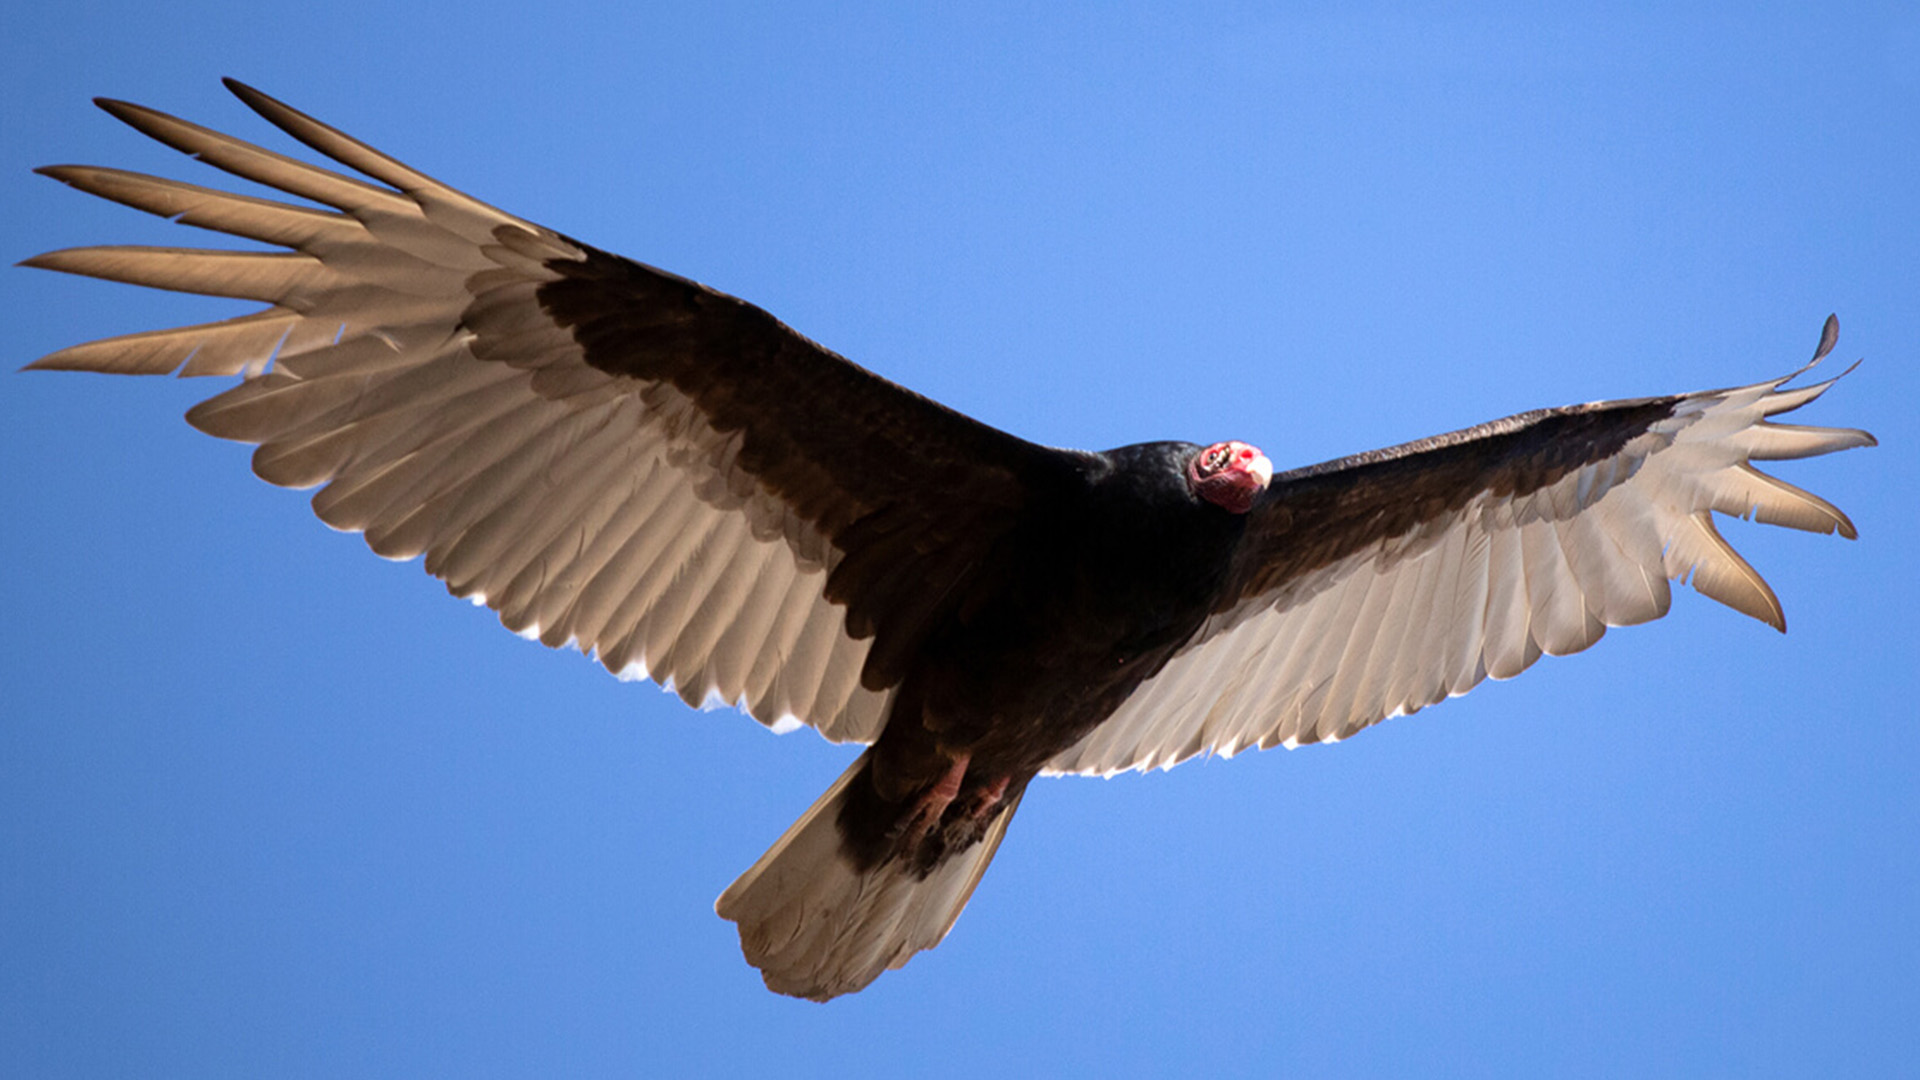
(817, 928)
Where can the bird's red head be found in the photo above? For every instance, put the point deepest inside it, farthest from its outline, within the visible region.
(1229, 475)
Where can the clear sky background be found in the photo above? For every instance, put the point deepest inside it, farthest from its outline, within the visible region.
(270, 806)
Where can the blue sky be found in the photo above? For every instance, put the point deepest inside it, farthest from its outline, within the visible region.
(271, 806)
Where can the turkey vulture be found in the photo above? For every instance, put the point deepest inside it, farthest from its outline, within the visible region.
(675, 483)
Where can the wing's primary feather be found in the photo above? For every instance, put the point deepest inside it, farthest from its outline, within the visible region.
(1379, 584)
(611, 456)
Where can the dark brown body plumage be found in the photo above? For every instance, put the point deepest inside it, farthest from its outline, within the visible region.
(1084, 598)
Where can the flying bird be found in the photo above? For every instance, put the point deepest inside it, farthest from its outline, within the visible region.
(670, 480)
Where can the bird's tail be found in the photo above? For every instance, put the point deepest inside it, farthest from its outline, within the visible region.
(818, 927)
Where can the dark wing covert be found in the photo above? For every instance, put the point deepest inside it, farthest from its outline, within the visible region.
(1378, 584)
(611, 456)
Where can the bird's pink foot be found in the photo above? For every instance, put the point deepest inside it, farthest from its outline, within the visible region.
(932, 806)
(984, 801)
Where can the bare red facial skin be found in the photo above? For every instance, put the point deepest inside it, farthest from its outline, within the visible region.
(1230, 475)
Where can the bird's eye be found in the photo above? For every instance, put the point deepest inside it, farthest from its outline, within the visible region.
(1215, 459)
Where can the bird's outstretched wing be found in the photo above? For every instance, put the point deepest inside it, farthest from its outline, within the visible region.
(611, 456)
(1379, 584)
